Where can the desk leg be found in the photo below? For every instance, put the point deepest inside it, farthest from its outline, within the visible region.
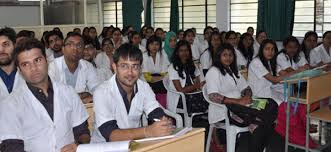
(307, 127)
(287, 124)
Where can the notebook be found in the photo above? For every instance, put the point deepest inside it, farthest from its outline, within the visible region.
(118, 146)
(258, 104)
(176, 133)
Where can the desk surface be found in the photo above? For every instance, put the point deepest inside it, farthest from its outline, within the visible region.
(193, 140)
(323, 114)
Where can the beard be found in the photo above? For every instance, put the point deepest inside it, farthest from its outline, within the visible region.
(6, 61)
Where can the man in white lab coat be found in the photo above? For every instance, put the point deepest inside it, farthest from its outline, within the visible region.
(55, 45)
(120, 102)
(74, 71)
(9, 76)
(41, 115)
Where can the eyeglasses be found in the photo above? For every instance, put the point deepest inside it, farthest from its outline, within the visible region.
(126, 67)
(77, 46)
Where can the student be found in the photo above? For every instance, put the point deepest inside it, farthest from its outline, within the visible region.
(126, 31)
(189, 36)
(180, 35)
(238, 35)
(104, 59)
(155, 65)
(77, 30)
(159, 32)
(206, 35)
(309, 42)
(85, 33)
(41, 114)
(322, 53)
(55, 45)
(225, 85)
(230, 37)
(117, 38)
(89, 54)
(206, 58)
(10, 77)
(103, 34)
(170, 44)
(120, 102)
(245, 51)
(135, 39)
(250, 30)
(149, 32)
(184, 77)
(260, 37)
(73, 71)
(263, 72)
(291, 58)
(94, 36)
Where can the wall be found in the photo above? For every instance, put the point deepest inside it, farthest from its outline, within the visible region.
(223, 15)
(19, 15)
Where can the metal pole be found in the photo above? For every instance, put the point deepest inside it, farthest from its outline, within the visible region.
(100, 6)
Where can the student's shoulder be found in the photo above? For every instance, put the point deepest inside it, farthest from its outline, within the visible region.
(255, 61)
(213, 71)
(105, 85)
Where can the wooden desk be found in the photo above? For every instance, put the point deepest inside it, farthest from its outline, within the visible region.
(192, 141)
(318, 88)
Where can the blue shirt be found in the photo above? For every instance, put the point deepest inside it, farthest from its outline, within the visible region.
(8, 79)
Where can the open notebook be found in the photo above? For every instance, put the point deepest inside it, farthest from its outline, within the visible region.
(258, 104)
(118, 146)
(176, 133)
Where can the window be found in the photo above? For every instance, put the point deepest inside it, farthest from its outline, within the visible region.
(303, 17)
(192, 13)
(243, 14)
(92, 12)
(112, 14)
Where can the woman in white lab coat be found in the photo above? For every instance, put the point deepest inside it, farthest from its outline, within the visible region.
(155, 64)
(117, 38)
(244, 51)
(104, 59)
(135, 39)
(225, 85)
(189, 36)
(264, 73)
(260, 37)
(322, 54)
(206, 58)
(291, 58)
(184, 77)
(309, 42)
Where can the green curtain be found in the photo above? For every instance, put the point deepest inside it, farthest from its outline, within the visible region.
(131, 11)
(148, 17)
(174, 16)
(276, 17)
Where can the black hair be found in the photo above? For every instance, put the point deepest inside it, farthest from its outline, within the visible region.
(228, 34)
(296, 57)
(273, 61)
(250, 28)
(149, 28)
(233, 69)
(73, 34)
(117, 29)
(106, 40)
(103, 34)
(206, 28)
(9, 33)
(210, 46)
(26, 45)
(303, 46)
(215, 29)
(179, 31)
(51, 33)
(152, 39)
(24, 33)
(249, 52)
(189, 67)
(188, 31)
(259, 32)
(326, 33)
(128, 51)
(43, 38)
(133, 33)
(85, 30)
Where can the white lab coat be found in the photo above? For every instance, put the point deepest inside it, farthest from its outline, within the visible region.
(49, 55)
(109, 105)
(23, 117)
(17, 83)
(102, 60)
(160, 66)
(195, 52)
(104, 74)
(203, 45)
(173, 98)
(319, 54)
(87, 79)
(143, 42)
(206, 60)
(256, 47)
(224, 85)
(241, 60)
(142, 48)
(261, 87)
(283, 61)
